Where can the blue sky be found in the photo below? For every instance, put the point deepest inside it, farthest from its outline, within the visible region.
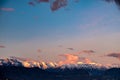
(86, 25)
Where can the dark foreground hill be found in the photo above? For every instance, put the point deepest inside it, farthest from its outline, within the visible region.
(22, 73)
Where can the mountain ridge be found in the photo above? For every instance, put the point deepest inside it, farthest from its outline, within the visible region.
(14, 68)
(35, 73)
(16, 61)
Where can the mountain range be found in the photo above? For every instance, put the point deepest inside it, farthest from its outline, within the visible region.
(15, 68)
(16, 61)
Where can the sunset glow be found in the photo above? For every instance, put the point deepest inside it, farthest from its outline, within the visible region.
(59, 32)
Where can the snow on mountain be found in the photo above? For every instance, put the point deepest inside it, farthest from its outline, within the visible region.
(16, 61)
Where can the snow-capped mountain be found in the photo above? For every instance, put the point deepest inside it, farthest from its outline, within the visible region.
(10, 62)
(16, 61)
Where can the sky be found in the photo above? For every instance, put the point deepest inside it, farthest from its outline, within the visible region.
(33, 30)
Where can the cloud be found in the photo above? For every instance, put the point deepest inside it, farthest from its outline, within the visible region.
(31, 3)
(69, 59)
(85, 60)
(87, 51)
(42, 0)
(54, 4)
(7, 9)
(116, 55)
(116, 1)
(58, 4)
(1, 46)
(70, 48)
(74, 59)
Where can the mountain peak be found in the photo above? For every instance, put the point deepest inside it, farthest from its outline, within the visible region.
(16, 61)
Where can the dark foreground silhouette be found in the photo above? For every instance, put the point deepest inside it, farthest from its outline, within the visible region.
(22, 73)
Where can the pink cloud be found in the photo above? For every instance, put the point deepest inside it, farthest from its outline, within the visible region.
(58, 4)
(7, 9)
(74, 59)
(70, 48)
(87, 51)
(1, 46)
(54, 4)
(85, 60)
(69, 59)
(116, 55)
